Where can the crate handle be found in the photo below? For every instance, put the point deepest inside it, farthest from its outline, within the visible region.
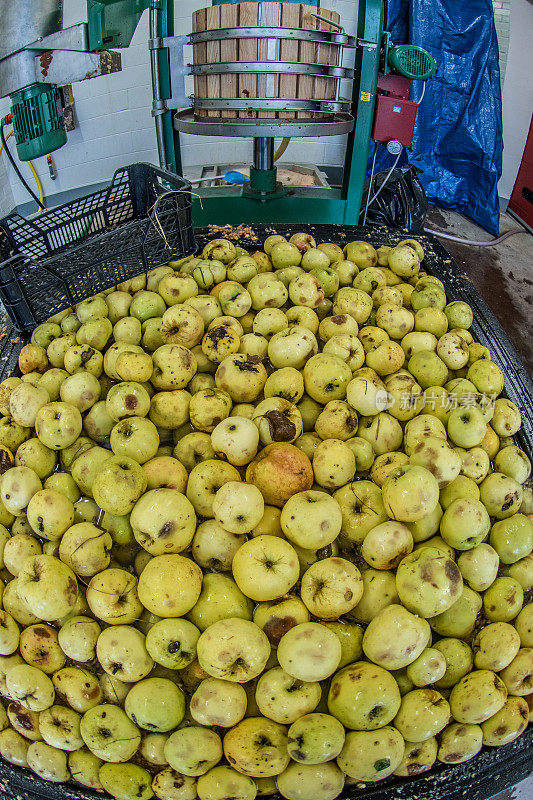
(170, 177)
(137, 175)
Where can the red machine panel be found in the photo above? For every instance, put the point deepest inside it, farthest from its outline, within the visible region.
(395, 115)
(395, 119)
(522, 197)
(396, 85)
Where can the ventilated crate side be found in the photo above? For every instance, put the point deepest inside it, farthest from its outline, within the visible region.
(47, 263)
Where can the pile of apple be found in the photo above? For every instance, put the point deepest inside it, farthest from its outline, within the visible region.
(263, 528)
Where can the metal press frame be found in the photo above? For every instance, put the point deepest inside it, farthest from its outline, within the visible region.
(262, 199)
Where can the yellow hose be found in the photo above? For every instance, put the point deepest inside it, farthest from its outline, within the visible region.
(281, 149)
(33, 170)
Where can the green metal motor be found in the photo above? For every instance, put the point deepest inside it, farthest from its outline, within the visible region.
(412, 62)
(37, 121)
(38, 55)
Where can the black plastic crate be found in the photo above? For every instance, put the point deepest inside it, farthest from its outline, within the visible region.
(141, 220)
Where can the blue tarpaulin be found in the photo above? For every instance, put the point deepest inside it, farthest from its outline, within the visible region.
(458, 137)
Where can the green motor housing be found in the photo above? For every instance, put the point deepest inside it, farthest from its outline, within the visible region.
(412, 62)
(37, 121)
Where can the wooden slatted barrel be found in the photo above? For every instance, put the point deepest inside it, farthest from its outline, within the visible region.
(257, 85)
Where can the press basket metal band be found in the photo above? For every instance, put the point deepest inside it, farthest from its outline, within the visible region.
(270, 104)
(271, 67)
(186, 122)
(263, 32)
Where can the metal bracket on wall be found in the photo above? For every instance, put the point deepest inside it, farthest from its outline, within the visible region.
(69, 116)
(178, 71)
(367, 44)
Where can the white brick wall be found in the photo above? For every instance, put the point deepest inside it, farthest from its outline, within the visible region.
(6, 195)
(502, 19)
(115, 126)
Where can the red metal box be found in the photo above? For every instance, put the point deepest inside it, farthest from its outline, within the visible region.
(394, 119)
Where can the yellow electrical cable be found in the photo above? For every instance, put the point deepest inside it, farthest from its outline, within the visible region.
(281, 149)
(33, 170)
(37, 181)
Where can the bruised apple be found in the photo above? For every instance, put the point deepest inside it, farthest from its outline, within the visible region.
(279, 471)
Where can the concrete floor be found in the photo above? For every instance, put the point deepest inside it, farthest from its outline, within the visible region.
(502, 274)
(524, 791)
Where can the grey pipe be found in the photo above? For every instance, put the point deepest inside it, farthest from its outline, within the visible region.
(156, 87)
(263, 152)
(474, 242)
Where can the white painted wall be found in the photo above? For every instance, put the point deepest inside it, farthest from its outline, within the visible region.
(517, 93)
(116, 127)
(6, 195)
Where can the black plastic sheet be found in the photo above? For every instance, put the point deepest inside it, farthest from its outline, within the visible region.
(400, 200)
(458, 137)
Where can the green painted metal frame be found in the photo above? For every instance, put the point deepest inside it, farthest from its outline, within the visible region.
(171, 136)
(367, 60)
(112, 24)
(234, 204)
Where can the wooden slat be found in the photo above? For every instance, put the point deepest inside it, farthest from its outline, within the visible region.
(288, 84)
(326, 54)
(253, 85)
(248, 51)
(322, 56)
(267, 85)
(229, 18)
(213, 55)
(306, 83)
(199, 23)
(334, 55)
